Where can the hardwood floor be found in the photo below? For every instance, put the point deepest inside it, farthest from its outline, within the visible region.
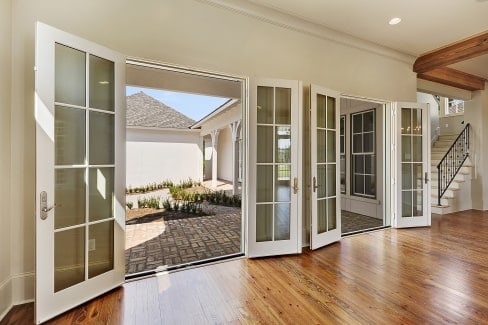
(425, 275)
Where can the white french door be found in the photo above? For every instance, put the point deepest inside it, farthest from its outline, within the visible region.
(411, 137)
(274, 222)
(80, 171)
(325, 198)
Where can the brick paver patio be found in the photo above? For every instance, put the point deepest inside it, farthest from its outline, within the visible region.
(168, 241)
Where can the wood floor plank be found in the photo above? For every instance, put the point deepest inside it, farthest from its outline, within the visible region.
(407, 276)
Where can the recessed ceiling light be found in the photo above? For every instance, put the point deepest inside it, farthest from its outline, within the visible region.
(394, 21)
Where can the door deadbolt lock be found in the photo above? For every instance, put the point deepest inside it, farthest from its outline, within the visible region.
(44, 208)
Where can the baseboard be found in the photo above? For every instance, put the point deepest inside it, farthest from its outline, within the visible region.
(6, 301)
(23, 288)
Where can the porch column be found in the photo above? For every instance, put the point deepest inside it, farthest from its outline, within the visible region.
(215, 141)
(235, 128)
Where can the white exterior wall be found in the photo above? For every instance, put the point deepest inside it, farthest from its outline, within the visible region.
(154, 156)
(189, 33)
(358, 204)
(5, 216)
(225, 166)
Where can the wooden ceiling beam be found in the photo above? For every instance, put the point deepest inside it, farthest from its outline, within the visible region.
(456, 52)
(455, 78)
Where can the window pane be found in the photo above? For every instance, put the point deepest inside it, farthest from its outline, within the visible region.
(343, 174)
(321, 147)
(101, 253)
(69, 258)
(283, 144)
(282, 221)
(368, 144)
(321, 216)
(406, 203)
(331, 113)
(357, 123)
(265, 103)
(264, 184)
(369, 164)
(101, 193)
(406, 121)
(102, 138)
(331, 146)
(368, 121)
(358, 164)
(70, 197)
(406, 148)
(321, 111)
(343, 125)
(418, 176)
(359, 184)
(406, 176)
(331, 214)
(69, 134)
(265, 147)
(102, 87)
(417, 148)
(321, 181)
(283, 183)
(70, 76)
(417, 121)
(343, 144)
(418, 205)
(331, 180)
(264, 222)
(283, 106)
(357, 143)
(370, 185)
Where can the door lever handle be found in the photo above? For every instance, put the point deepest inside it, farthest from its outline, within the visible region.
(44, 208)
(426, 178)
(295, 185)
(314, 185)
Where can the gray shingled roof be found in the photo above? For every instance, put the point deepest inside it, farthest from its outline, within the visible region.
(146, 111)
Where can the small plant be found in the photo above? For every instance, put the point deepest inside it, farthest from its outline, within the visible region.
(130, 205)
(150, 202)
(167, 205)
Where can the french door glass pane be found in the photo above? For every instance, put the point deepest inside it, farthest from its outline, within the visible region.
(101, 252)
(69, 136)
(101, 139)
(331, 112)
(331, 180)
(264, 186)
(265, 147)
(102, 94)
(283, 183)
(331, 214)
(283, 106)
(321, 181)
(331, 146)
(406, 121)
(283, 144)
(264, 222)
(70, 197)
(321, 216)
(101, 193)
(70, 76)
(321, 111)
(417, 148)
(265, 105)
(321, 146)
(282, 221)
(69, 258)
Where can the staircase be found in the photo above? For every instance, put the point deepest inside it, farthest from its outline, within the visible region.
(451, 197)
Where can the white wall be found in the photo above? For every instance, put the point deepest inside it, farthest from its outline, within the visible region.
(476, 113)
(434, 112)
(189, 33)
(224, 156)
(154, 156)
(5, 216)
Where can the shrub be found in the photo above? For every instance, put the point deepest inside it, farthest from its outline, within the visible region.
(150, 202)
(130, 205)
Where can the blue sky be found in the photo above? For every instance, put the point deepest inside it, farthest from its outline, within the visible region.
(193, 106)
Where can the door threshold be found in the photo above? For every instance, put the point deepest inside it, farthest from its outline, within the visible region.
(356, 232)
(181, 267)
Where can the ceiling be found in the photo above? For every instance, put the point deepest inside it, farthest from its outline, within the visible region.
(426, 24)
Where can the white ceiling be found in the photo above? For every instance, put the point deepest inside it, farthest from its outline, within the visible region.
(426, 24)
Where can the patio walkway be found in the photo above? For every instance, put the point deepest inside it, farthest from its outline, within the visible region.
(167, 241)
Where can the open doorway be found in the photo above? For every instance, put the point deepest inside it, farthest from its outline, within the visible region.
(362, 164)
(184, 167)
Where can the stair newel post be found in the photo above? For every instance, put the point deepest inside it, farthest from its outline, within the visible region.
(439, 176)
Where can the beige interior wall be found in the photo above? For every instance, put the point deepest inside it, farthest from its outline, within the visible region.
(476, 113)
(189, 33)
(5, 89)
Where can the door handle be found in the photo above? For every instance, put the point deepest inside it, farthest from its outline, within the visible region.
(295, 185)
(426, 178)
(314, 185)
(44, 208)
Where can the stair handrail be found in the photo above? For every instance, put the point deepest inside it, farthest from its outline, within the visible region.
(449, 166)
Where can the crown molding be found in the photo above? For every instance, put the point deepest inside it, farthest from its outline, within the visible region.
(297, 24)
